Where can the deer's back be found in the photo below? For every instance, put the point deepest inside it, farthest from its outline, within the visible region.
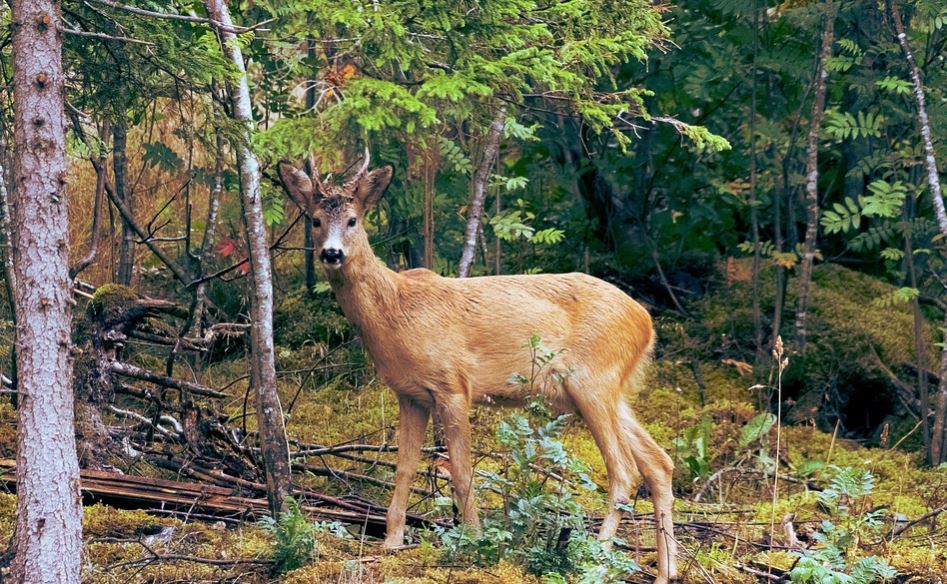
(475, 332)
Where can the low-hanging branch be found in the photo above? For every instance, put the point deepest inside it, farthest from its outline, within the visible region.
(178, 384)
(184, 17)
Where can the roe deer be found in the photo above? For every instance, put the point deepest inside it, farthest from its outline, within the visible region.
(444, 343)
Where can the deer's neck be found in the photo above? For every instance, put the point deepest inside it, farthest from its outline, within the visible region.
(367, 291)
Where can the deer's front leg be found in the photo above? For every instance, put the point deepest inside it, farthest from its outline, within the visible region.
(454, 413)
(412, 422)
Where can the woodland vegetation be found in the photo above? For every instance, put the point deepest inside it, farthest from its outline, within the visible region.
(762, 176)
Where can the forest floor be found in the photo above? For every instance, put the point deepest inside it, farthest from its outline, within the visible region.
(870, 486)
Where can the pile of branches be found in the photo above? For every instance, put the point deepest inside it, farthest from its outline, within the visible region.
(127, 413)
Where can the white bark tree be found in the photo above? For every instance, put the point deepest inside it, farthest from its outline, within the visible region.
(273, 444)
(478, 189)
(49, 504)
(812, 181)
(938, 451)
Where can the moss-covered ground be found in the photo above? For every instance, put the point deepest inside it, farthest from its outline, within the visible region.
(698, 391)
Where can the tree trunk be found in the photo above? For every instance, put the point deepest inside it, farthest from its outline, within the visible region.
(812, 181)
(478, 191)
(6, 250)
(126, 250)
(273, 444)
(920, 352)
(754, 203)
(938, 451)
(49, 505)
(207, 244)
(100, 180)
(430, 153)
(309, 255)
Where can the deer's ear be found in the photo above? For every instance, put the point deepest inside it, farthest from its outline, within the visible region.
(372, 186)
(297, 185)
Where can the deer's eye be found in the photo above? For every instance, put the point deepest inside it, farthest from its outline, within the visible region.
(316, 222)
(352, 222)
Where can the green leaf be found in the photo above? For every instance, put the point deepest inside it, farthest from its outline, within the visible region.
(756, 428)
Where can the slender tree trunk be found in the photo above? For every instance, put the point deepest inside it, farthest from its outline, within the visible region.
(788, 199)
(100, 180)
(478, 191)
(126, 251)
(49, 505)
(309, 255)
(920, 352)
(273, 444)
(429, 170)
(938, 451)
(754, 203)
(207, 244)
(6, 250)
(812, 181)
(497, 243)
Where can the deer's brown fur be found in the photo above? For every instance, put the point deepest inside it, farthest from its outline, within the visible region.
(443, 344)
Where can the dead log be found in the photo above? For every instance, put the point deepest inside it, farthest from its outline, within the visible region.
(131, 492)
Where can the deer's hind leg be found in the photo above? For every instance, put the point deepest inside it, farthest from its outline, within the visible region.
(656, 469)
(601, 417)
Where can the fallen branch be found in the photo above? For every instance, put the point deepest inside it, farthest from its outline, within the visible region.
(898, 530)
(716, 476)
(156, 557)
(186, 343)
(170, 382)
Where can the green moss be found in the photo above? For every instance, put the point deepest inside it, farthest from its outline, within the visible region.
(110, 298)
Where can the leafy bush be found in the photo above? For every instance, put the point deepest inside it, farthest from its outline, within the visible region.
(834, 562)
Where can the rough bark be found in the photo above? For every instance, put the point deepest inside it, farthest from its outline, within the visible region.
(478, 190)
(49, 510)
(273, 444)
(126, 251)
(812, 181)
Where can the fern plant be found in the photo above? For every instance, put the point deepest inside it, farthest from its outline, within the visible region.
(835, 560)
(295, 536)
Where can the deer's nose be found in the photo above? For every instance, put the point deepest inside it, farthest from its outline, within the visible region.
(331, 255)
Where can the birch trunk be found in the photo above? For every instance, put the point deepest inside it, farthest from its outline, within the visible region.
(938, 451)
(478, 191)
(812, 182)
(273, 444)
(49, 505)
